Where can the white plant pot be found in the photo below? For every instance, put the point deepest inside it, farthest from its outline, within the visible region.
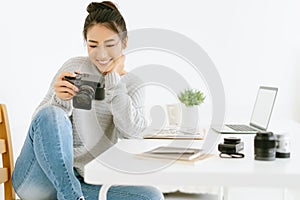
(190, 118)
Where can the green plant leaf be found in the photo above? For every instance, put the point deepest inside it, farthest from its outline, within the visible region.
(191, 97)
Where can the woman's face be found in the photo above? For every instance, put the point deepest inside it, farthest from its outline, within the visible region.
(103, 46)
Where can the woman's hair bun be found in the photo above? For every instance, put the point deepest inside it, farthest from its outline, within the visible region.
(104, 5)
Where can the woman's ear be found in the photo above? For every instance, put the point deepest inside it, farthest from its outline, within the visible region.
(124, 42)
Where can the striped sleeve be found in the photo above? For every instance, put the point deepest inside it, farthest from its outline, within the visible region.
(126, 100)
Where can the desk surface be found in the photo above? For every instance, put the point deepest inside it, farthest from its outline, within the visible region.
(120, 165)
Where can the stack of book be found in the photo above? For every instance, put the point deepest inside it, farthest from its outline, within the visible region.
(175, 153)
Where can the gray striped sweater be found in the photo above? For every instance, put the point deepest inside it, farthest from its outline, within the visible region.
(120, 115)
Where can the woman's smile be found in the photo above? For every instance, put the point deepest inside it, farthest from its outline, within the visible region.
(104, 63)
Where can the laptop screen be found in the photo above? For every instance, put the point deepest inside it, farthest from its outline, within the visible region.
(263, 107)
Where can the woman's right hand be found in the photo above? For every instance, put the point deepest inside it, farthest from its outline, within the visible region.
(64, 89)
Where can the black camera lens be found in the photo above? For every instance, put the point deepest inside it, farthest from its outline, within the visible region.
(264, 146)
(84, 97)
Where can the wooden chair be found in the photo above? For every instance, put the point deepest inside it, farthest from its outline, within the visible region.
(7, 155)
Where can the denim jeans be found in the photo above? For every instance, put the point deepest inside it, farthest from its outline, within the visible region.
(44, 168)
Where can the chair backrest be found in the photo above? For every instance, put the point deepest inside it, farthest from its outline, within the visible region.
(7, 155)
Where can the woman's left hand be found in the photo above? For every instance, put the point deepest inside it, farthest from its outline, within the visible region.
(117, 65)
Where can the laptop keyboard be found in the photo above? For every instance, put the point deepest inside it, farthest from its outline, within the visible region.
(240, 127)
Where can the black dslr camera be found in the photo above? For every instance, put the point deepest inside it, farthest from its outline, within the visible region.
(231, 145)
(89, 88)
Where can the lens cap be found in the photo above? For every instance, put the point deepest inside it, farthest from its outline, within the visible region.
(232, 140)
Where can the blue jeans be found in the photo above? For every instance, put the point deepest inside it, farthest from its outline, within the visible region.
(44, 168)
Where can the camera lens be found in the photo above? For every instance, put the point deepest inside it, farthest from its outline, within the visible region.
(84, 97)
(264, 146)
(282, 146)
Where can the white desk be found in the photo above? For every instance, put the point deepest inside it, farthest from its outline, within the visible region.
(119, 165)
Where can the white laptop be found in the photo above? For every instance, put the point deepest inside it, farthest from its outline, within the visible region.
(260, 117)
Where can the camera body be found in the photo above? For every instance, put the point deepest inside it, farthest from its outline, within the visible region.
(90, 88)
(231, 145)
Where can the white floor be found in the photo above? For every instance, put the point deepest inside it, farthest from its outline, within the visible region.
(239, 193)
(183, 196)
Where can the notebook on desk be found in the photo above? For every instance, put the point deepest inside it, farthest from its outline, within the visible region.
(174, 134)
(260, 117)
(174, 153)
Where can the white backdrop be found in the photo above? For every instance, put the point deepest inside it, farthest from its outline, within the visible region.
(252, 43)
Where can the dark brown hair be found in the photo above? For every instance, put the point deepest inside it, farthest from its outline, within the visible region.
(106, 14)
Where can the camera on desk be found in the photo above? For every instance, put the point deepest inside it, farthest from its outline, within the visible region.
(89, 88)
(231, 145)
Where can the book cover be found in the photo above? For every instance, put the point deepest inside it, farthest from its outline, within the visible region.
(174, 153)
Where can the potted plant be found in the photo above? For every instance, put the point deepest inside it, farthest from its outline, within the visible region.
(190, 100)
(191, 97)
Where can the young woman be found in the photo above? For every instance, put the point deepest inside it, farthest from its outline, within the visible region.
(50, 165)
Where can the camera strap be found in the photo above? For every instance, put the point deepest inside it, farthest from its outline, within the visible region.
(231, 155)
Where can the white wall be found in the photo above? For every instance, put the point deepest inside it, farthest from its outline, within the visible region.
(252, 43)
